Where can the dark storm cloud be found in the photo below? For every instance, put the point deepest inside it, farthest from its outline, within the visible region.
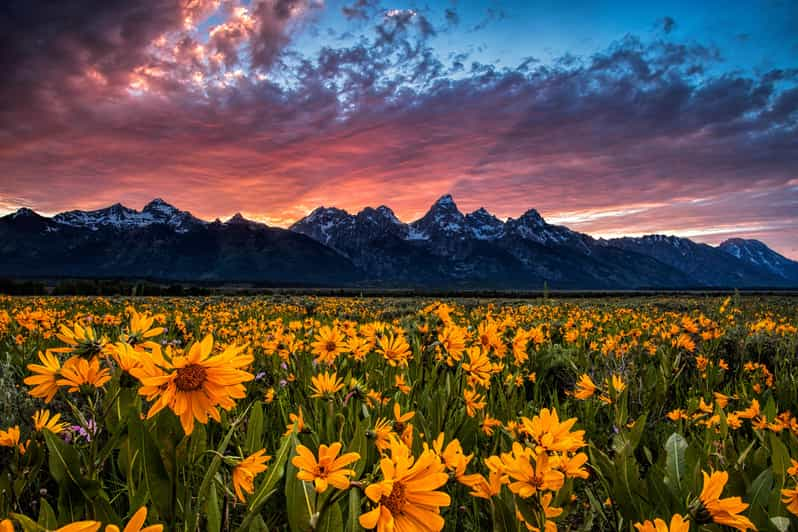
(45, 48)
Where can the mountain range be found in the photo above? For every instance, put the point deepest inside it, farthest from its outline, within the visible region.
(445, 248)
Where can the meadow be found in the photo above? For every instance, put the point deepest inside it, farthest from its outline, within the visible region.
(345, 414)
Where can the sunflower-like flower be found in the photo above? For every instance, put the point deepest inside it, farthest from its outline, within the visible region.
(482, 487)
(473, 401)
(43, 420)
(585, 387)
(677, 524)
(194, 385)
(382, 433)
(45, 377)
(126, 356)
(453, 457)
(452, 339)
(551, 434)
(328, 343)
(81, 341)
(478, 369)
(406, 497)
(525, 471)
(710, 508)
(297, 422)
(790, 498)
(246, 470)
(329, 470)
(325, 385)
(394, 349)
(79, 372)
(9, 437)
(140, 329)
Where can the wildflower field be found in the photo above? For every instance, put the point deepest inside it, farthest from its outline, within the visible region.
(348, 414)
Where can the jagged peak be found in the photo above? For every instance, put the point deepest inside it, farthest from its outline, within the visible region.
(322, 210)
(388, 212)
(533, 214)
(237, 218)
(742, 242)
(446, 201)
(383, 212)
(24, 212)
(159, 204)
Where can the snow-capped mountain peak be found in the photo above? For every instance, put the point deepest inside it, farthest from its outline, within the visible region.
(442, 219)
(323, 222)
(121, 217)
(484, 225)
(760, 255)
(160, 206)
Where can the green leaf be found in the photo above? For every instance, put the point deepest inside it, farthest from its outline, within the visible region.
(47, 518)
(331, 520)
(273, 474)
(760, 489)
(153, 471)
(780, 456)
(254, 441)
(675, 462)
(359, 445)
(65, 467)
(210, 474)
(503, 518)
(300, 499)
(268, 486)
(213, 512)
(28, 524)
(353, 523)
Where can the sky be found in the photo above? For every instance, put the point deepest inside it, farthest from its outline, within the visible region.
(613, 118)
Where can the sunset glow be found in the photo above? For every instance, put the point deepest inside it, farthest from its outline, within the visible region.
(677, 121)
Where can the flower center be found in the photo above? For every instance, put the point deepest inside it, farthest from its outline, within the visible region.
(331, 346)
(190, 378)
(396, 500)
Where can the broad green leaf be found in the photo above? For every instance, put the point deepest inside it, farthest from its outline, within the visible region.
(27, 524)
(760, 489)
(331, 520)
(273, 474)
(47, 518)
(780, 456)
(254, 441)
(213, 511)
(353, 524)
(675, 462)
(153, 472)
(300, 498)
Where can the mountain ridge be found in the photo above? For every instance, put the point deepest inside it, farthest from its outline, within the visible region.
(330, 246)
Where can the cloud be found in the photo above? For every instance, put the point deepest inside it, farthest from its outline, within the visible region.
(130, 107)
(360, 9)
(452, 18)
(667, 24)
(492, 14)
